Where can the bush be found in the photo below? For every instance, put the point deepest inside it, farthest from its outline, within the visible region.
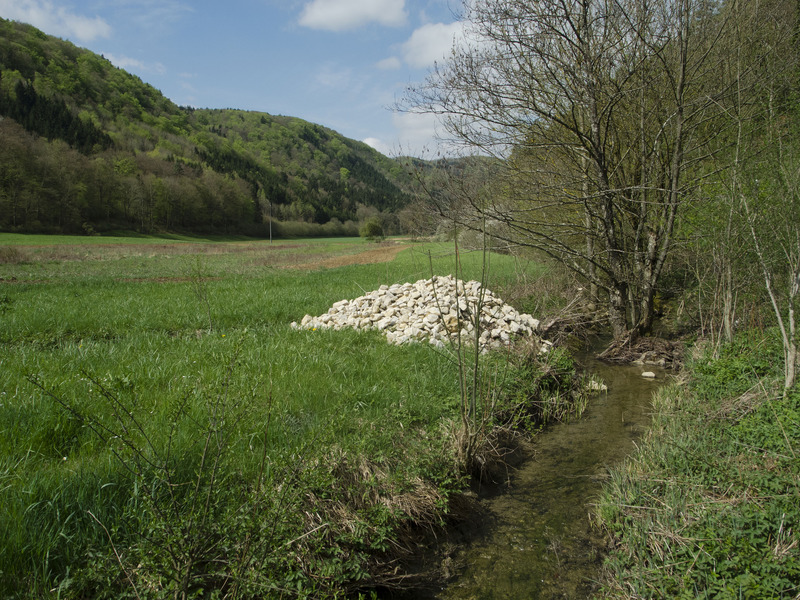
(371, 229)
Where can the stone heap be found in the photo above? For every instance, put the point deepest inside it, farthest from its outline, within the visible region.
(434, 310)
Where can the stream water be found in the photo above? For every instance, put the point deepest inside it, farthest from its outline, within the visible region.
(534, 539)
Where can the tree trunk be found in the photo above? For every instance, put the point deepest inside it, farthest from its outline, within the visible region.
(617, 313)
(791, 346)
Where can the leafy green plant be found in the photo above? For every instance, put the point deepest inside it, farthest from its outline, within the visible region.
(6, 302)
(181, 489)
(708, 507)
(371, 229)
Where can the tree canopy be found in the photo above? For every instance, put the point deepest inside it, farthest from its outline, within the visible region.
(89, 147)
(608, 118)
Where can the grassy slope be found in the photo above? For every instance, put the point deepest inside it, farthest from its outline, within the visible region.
(709, 507)
(342, 431)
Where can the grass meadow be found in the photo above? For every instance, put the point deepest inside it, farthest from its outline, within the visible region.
(164, 432)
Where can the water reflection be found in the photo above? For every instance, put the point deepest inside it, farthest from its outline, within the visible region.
(535, 540)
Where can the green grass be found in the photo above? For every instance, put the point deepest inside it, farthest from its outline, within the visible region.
(123, 366)
(709, 507)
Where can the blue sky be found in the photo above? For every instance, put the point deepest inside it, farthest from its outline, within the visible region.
(339, 63)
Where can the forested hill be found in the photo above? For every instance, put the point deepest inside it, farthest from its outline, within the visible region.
(85, 146)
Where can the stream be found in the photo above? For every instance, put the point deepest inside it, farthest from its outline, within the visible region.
(533, 539)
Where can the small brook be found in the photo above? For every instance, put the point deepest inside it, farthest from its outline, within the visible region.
(534, 540)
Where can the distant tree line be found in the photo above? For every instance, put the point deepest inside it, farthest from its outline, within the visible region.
(89, 147)
(48, 187)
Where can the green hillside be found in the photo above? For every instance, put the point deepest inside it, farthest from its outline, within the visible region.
(89, 147)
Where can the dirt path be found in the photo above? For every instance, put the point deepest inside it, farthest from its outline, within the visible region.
(278, 256)
(381, 254)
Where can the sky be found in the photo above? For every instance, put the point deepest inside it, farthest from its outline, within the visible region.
(340, 63)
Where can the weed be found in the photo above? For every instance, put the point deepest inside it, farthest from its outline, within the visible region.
(6, 302)
(11, 255)
(349, 452)
(705, 507)
(178, 480)
(200, 289)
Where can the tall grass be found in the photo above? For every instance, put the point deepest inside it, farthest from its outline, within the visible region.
(709, 506)
(115, 369)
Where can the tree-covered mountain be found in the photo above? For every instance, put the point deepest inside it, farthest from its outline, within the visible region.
(86, 146)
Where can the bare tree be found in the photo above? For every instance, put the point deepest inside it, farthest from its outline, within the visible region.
(775, 235)
(770, 201)
(599, 111)
(759, 183)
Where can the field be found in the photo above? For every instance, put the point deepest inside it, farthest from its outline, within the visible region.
(164, 431)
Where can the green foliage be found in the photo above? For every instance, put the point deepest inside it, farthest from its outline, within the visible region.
(543, 388)
(708, 507)
(371, 229)
(748, 359)
(140, 451)
(52, 119)
(184, 169)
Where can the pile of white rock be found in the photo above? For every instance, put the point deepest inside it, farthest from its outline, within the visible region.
(436, 310)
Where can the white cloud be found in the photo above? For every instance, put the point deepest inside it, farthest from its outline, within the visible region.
(431, 42)
(379, 145)
(132, 64)
(55, 20)
(414, 135)
(343, 15)
(389, 64)
(124, 62)
(153, 15)
(416, 131)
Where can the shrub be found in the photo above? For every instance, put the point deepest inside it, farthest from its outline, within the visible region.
(372, 229)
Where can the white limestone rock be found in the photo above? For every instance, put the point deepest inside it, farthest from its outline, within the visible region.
(418, 312)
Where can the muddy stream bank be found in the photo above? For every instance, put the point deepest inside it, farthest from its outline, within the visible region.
(533, 539)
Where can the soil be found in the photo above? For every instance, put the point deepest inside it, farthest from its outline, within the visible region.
(578, 328)
(381, 254)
